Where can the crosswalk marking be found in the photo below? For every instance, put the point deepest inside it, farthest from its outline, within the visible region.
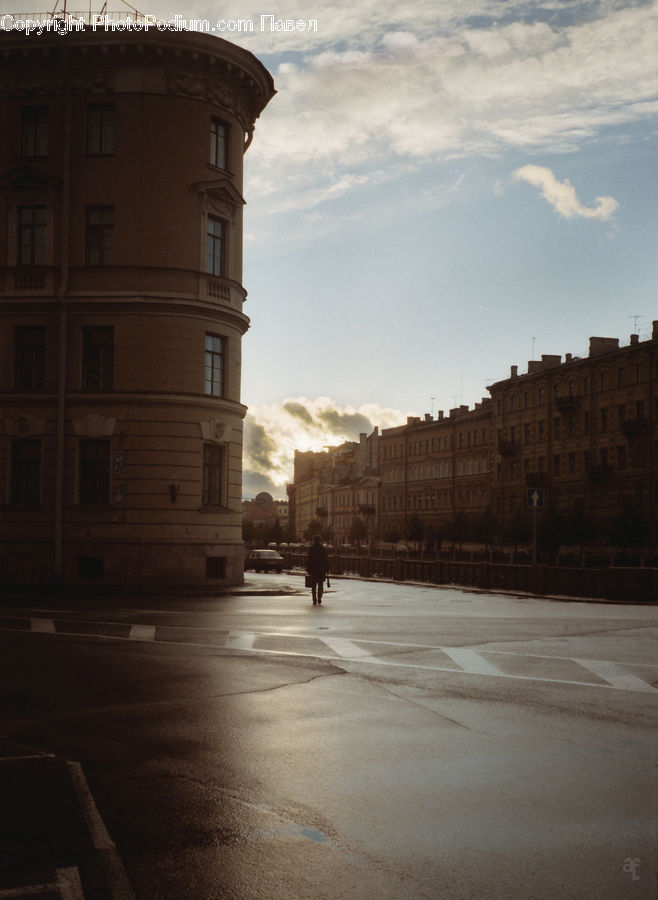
(44, 626)
(344, 648)
(614, 675)
(470, 661)
(241, 640)
(142, 633)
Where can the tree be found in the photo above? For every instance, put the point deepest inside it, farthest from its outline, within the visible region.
(314, 527)
(628, 529)
(415, 530)
(358, 531)
(551, 531)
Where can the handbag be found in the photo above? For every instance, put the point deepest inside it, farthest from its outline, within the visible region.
(308, 581)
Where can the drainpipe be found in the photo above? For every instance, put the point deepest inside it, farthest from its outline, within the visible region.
(62, 291)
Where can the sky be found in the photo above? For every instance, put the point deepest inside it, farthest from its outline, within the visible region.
(439, 190)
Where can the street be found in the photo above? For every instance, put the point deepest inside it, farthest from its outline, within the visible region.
(398, 741)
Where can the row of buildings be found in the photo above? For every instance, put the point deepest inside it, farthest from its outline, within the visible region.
(573, 435)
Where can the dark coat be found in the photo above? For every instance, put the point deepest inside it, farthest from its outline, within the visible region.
(317, 562)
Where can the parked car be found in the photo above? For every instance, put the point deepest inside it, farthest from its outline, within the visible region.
(265, 560)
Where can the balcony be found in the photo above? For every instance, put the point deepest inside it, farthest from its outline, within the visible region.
(367, 510)
(568, 406)
(508, 448)
(599, 473)
(536, 479)
(634, 429)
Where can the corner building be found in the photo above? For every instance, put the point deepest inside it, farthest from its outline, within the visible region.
(121, 305)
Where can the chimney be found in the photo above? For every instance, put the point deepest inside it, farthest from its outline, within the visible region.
(599, 345)
(440, 415)
(567, 358)
(635, 339)
(655, 330)
(550, 361)
(428, 417)
(514, 371)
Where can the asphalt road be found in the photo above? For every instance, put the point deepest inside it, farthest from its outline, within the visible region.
(396, 742)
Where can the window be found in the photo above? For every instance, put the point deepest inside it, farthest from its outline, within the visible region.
(32, 236)
(26, 472)
(94, 472)
(212, 492)
(604, 419)
(541, 395)
(214, 366)
(526, 433)
(98, 358)
(586, 385)
(218, 143)
(29, 358)
(34, 131)
(621, 457)
(215, 246)
(620, 377)
(101, 120)
(556, 465)
(541, 429)
(572, 462)
(604, 381)
(556, 428)
(99, 235)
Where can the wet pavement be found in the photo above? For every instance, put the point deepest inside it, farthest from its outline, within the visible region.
(398, 742)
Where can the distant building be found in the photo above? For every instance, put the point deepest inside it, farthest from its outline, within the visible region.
(576, 438)
(337, 487)
(582, 432)
(121, 305)
(433, 470)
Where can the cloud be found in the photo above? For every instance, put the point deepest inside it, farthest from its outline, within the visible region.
(562, 195)
(421, 82)
(272, 433)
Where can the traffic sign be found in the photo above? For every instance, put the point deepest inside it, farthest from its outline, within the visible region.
(535, 498)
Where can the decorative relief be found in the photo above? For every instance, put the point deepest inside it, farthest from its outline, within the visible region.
(214, 430)
(26, 84)
(100, 81)
(25, 426)
(208, 89)
(94, 425)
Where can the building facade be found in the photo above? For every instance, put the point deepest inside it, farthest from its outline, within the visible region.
(339, 488)
(575, 438)
(121, 305)
(582, 433)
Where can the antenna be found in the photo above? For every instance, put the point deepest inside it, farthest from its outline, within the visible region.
(432, 399)
(532, 355)
(635, 318)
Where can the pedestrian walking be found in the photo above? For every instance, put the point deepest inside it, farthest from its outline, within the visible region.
(317, 566)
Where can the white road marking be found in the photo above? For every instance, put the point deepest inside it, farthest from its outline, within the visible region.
(45, 626)
(117, 880)
(241, 640)
(344, 648)
(68, 883)
(470, 661)
(142, 633)
(615, 676)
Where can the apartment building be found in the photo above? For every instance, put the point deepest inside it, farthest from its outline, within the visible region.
(582, 432)
(434, 470)
(121, 305)
(338, 487)
(576, 436)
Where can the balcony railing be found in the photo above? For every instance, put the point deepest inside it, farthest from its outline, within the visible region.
(635, 428)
